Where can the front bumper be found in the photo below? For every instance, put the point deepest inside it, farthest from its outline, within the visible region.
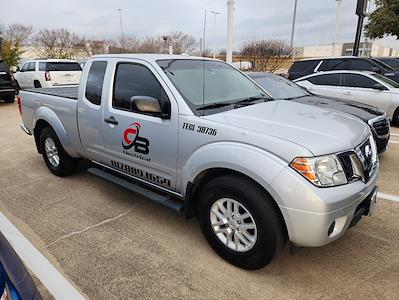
(317, 216)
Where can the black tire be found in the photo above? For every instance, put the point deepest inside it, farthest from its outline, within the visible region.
(37, 84)
(9, 99)
(395, 118)
(270, 233)
(67, 164)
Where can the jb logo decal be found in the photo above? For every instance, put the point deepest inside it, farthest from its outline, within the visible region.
(132, 139)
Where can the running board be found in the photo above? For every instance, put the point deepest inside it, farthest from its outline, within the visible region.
(163, 199)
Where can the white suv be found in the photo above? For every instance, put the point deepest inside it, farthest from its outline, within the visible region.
(48, 73)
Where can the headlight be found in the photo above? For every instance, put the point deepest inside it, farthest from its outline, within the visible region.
(322, 171)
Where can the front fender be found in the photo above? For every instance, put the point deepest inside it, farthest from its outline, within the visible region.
(256, 163)
(46, 114)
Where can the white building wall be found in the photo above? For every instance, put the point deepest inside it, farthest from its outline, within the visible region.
(322, 51)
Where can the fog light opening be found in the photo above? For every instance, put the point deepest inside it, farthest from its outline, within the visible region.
(331, 229)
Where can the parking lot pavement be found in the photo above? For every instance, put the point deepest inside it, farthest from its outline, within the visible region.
(112, 244)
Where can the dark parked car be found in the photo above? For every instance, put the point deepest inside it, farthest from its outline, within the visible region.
(282, 89)
(15, 281)
(309, 66)
(393, 62)
(7, 86)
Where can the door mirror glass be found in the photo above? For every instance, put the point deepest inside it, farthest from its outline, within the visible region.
(147, 105)
(379, 87)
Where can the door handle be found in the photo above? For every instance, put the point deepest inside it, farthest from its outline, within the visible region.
(111, 120)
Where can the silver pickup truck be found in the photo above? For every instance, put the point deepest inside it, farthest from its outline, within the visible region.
(199, 136)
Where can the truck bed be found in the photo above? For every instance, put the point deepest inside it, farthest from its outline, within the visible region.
(70, 92)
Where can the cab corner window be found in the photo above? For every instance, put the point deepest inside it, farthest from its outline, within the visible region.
(95, 80)
(136, 80)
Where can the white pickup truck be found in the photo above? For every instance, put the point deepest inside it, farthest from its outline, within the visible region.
(199, 136)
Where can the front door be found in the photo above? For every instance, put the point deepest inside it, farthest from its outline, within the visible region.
(141, 144)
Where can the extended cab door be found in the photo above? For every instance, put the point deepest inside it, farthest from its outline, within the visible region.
(357, 87)
(141, 144)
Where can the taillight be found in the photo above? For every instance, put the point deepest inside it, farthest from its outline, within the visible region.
(47, 76)
(19, 100)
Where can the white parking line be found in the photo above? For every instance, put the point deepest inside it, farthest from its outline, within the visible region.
(51, 278)
(388, 197)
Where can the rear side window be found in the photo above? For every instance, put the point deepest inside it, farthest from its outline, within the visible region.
(361, 65)
(359, 81)
(63, 66)
(327, 79)
(95, 80)
(42, 66)
(134, 80)
(304, 65)
(330, 64)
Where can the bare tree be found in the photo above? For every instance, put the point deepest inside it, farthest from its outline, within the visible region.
(58, 43)
(266, 55)
(182, 42)
(13, 37)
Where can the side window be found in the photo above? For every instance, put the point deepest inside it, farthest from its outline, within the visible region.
(359, 81)
(304, 65)
(360, 65)
(32, 66)
(329, 64)
(42, 66)
(136, 80)
(341, 65)
(95, 80)
(24, 67)
(328, 79)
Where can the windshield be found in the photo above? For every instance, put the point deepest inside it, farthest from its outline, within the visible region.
(203, 83)
(386, 80)
(279, 87)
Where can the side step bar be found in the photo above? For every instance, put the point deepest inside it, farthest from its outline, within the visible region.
(163, 199)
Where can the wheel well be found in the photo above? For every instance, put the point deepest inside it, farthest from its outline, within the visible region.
(194, 188)
(395, 116)
(40, 125)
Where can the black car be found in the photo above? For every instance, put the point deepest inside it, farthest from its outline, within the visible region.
(282, 89)
(393, 62)
(7, 85)
(305, 67)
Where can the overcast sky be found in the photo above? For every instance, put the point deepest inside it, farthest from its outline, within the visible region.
(253, 18)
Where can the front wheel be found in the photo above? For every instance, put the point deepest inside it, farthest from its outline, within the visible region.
(240, 222)
(57, 160)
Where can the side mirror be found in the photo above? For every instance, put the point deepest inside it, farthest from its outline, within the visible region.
(379, 87)
(147, 105)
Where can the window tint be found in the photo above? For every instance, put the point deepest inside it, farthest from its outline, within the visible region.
(328, 79)
(303, 65)
(360, 65)
(357, 80)
(136, 80)
(341, 65)
(63, 66)
(329, 64)
(25, 67)
(42, 66)
(32, 66)
(95, 80)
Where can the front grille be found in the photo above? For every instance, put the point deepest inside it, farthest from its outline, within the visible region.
(381, 127)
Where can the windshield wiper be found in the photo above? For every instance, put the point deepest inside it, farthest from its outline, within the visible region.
(297, 97)
(215, 105)
(249, 101)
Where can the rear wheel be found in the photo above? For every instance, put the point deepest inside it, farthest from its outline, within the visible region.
(57, 160)
(240, 222)
(395, 118)
(37, 84)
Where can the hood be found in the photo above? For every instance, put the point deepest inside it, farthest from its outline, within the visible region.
(360, 110)
(319, 130)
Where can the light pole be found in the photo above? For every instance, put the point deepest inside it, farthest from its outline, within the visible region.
(293, 31)
(214, 31)
(337, 25)
(120, 22)
(230, 20)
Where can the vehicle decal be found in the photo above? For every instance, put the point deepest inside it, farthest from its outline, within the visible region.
(200, 129)
(141, 173)
(131, 139)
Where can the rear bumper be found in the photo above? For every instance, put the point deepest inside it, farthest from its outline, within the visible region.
(7, 91)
